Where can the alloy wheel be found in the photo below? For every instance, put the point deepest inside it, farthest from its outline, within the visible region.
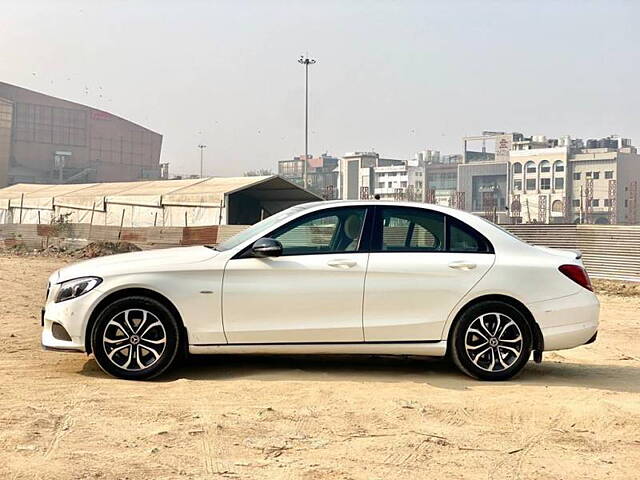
(134, 339)
(493, 342)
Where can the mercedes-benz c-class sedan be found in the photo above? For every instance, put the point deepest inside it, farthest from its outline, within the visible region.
(341, 277)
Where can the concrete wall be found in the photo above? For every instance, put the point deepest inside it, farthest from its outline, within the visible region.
(78, 235)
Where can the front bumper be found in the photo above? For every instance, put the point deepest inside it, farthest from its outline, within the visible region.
(73, 316)
(49, 342)
(567, 322)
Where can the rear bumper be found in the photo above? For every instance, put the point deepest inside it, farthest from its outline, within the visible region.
(567, 322)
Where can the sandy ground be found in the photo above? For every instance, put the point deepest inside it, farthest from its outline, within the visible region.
(577, 415)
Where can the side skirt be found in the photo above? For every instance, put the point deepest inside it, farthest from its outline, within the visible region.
(431, 349)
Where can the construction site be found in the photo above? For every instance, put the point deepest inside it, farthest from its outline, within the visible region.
(314, 417)
(311, 417)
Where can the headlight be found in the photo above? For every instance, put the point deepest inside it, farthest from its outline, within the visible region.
(76, 287)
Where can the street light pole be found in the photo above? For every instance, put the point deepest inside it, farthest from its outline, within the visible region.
(201, 147)
(306, 62)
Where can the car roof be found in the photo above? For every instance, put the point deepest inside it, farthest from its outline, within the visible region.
(392, 203)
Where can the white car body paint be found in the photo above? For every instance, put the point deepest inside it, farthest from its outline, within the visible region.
(295, 299)
(387, 303)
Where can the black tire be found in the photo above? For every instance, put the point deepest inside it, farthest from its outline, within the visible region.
(474, 359)
(115, 329)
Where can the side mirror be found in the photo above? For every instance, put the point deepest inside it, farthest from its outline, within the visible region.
(267, 247)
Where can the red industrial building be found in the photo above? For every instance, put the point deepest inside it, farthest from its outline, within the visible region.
(44, 139)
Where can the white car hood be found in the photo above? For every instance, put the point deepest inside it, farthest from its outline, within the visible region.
(135, 262)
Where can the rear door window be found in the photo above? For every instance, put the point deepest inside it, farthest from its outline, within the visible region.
(410, 230)
(464, 239)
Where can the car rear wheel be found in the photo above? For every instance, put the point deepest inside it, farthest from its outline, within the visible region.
(135, 338)
(491, 341)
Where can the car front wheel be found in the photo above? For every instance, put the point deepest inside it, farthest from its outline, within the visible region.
(135, 338)
(491, 341)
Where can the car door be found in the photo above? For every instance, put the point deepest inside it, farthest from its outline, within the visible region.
(422, 263)
(312, 293)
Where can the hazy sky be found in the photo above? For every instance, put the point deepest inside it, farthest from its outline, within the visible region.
(394, 76)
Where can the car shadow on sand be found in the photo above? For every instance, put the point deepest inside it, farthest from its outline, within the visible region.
(439, 373)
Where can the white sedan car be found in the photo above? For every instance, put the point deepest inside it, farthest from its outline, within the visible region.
(348, 277)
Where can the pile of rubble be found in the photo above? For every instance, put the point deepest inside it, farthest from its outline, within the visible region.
(101, 249)
(616, 287)
(91, 250)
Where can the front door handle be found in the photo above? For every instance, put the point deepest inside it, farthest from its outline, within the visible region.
(462, 265)
(342, 263)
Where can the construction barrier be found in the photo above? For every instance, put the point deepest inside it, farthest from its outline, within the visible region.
(609, 251)
(76, 235)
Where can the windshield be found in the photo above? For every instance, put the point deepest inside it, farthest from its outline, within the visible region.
(261, 227)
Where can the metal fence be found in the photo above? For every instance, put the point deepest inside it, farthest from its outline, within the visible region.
(609, 251)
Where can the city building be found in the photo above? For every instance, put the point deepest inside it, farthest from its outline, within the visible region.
(428, 156)
(402, 181)
(482, 183)
(44, 139)
(357, 173)
(483, 187)
(518, 179)
(322, 174)
(441, 179)
(576, 181)
(539, 187)
(429, 177)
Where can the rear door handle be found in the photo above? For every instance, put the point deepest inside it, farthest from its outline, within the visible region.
(462, 265)
(342, 263)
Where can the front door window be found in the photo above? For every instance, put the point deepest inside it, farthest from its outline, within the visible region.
(333, 231)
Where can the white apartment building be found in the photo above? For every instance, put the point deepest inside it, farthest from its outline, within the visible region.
(604, 185)
(400, 182)
(357, 175)
(539, 184)
(574, 183)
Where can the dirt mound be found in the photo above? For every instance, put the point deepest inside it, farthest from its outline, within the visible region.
(101, 249)
(21, 250)
(616, 287)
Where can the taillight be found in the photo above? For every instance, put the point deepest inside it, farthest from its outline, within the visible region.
(578, 274)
